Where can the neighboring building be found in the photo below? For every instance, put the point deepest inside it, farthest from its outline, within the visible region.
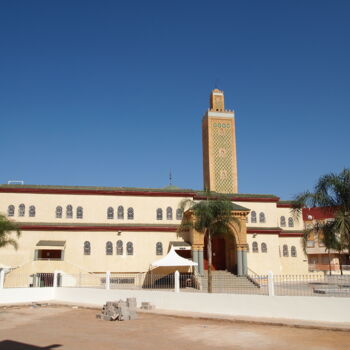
(319, 258)
(98, 229)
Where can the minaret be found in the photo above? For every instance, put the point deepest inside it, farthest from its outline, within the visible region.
(219, 146)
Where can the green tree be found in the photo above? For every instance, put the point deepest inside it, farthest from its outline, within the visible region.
(211, 217)
(7, 227)
(332, 193)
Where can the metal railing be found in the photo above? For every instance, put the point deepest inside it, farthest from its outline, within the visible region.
(225, 282)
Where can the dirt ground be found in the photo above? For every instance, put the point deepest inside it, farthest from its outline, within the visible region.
(67, 328)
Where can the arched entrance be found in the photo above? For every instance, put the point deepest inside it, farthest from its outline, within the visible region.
(224, 254)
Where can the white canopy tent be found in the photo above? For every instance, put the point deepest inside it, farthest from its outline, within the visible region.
(173, 259)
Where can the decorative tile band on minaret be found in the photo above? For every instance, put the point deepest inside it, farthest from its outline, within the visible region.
(219, 146)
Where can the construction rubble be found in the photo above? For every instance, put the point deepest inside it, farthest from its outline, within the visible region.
(119, 310)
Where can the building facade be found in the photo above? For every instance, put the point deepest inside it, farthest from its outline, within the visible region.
(124, 230)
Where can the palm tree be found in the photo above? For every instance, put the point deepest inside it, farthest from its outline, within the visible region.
(6, 228)
(332, 192)
(211, 217)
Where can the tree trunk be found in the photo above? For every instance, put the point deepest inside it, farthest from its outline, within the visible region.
(329, 262)
(340, 263)
(210, 282)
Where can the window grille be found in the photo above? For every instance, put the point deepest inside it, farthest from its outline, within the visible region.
(110, 213)
(21, 210)
(285, 250)
(263, 248)
(290, 222)
(58, 212)
(79, 213)
(293, 251)
(32, 211)
(130, 248)
(169, 213)
(255, 248)
(283, 221)
(159, 214)
(87, 248)
(159, 248)
(179, 214)
(119, 247)
(253, 217)
(130, 214)
(11, 210)
(120, 212)
(69, 212)
(262, 218)
(109, 248)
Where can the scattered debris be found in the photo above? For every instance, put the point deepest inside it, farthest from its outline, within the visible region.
(119, 310)
(145, 305)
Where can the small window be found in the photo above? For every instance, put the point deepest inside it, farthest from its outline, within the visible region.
(159, 248)
(253, 217)
(290, 222)
(119, 247)
(79, 213)
(130, 214)
(129, 248)
(255, 248)
(169, 213)
(159, 214)
(293, 251)
(32, 211)
(69, 212)
(58, 212)
(120, 212)
(262, 218)
(11, 210)
(110, 213)
(179, 214)
(263, 248)
(283, 221)
(87, 248)
(109, 248)
(21, 210)
(285, 250)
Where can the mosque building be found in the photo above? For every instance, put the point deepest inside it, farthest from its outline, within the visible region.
(124, 230)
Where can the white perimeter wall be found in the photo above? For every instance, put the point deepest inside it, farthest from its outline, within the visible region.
(322, 309)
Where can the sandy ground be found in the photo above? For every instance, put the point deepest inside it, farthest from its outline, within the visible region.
(29, 328)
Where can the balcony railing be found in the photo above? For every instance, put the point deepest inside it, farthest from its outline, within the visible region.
(327, 267)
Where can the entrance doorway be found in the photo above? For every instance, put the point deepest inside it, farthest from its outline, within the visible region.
(218, 253)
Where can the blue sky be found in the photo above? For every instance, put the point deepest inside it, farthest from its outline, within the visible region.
(112, 93)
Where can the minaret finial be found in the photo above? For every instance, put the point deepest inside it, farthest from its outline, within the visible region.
(170, 178)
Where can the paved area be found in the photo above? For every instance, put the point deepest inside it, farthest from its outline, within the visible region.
(48, 327)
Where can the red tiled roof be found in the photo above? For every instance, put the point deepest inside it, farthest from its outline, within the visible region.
(318, 213)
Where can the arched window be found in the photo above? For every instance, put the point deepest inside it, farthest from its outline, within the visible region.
(69, 212)
(109, 248)
(262, 217)
(58, 212)
(169, 213)
(290, 222)
(21, 210)
(159, 248)
(129, 248)
(87, 248)
(293, 251)
(283, 221)
(263, 248)
(32, 211)
(110, 213)
(179, 214)
(79, 213)
(121, 212)
(159, 214)
(253, 217)
(11, 210)
(119, 247)
(285, 250)
(255, 248)
(130, 214)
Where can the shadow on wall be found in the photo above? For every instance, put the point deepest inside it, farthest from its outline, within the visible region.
(14, 345)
